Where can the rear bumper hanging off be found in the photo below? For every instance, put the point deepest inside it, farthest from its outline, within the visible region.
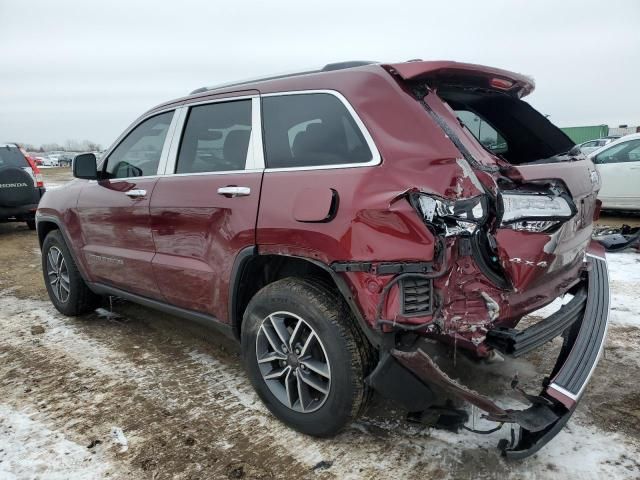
(583, 323)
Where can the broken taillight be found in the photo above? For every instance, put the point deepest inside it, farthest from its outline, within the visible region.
(451, 217)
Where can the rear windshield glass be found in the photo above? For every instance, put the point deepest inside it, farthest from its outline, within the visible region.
(11, 157)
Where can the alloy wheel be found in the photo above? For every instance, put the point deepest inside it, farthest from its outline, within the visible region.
(58, 274)
(293, 362)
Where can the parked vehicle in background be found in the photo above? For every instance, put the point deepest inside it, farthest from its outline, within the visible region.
(65, 160)
(618, 164)
(347, 228)
(592, 145)
(21, 185)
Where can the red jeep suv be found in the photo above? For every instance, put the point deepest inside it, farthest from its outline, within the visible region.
(344, 223)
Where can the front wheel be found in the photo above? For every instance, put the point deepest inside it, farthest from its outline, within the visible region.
(305, 356)
(67, 290)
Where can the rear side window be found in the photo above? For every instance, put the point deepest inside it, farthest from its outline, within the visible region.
(12, 157)
(309, 130)
(138, 155)
(216, 138)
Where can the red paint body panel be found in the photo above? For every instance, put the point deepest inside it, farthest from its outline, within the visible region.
(117, 244)
(197, 235)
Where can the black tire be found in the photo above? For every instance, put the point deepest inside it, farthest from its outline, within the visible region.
(31, 223)
(80, 299)
(347, 352)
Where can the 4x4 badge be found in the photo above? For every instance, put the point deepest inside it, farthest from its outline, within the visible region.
(529, 263)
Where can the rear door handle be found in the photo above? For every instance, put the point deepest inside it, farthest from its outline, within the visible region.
(234, 191)
(136, 193)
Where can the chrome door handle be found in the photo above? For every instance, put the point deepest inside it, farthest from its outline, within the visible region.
(234, 191)
(136, 193)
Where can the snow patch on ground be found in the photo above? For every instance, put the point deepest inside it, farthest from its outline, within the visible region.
(624, 272)
(29, 449)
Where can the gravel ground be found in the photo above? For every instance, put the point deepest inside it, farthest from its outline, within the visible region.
(127, 392)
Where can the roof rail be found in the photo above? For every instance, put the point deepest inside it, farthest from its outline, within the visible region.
(327, 68)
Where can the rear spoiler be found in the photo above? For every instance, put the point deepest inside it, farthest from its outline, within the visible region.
(488, 77)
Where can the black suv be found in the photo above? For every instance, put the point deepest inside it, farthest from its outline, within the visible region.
(21, 186)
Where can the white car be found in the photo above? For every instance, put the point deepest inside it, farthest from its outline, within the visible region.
(593, 145)
(619, 166)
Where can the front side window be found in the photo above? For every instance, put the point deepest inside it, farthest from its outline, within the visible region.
(623, 152)
(216, 138)
(311, 129)
(138, 155)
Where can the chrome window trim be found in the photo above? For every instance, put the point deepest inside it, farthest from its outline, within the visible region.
(123, 135)
(250, 161)
(375, 153)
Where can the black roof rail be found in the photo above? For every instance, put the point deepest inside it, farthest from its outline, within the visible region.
(327, 68)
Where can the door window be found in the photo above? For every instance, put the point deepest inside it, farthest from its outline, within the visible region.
(138, 155)
(313, 129)
(216, 138)
(623, 152)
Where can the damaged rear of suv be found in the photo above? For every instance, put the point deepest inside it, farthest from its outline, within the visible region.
(368, 216)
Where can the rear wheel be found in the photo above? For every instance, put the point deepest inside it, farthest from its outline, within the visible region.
(67, 290)
(305, 357)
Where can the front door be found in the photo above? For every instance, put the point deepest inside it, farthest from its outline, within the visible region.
(204, 210)
(114, 211)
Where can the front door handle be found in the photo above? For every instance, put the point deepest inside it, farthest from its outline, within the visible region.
(136, 193)
(234, 191)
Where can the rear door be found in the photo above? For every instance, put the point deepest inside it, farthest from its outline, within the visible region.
(114, 212)
(619, 168)
(204, 210)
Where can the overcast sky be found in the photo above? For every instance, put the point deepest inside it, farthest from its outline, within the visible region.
(86, 69)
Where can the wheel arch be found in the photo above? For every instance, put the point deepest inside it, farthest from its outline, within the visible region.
(47, 224)
(253, 271)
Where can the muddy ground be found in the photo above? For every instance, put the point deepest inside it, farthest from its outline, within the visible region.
(131, 393)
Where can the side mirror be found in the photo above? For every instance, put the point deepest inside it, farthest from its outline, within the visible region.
(85, 166)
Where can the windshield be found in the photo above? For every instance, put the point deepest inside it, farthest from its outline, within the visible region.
(11, 157)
